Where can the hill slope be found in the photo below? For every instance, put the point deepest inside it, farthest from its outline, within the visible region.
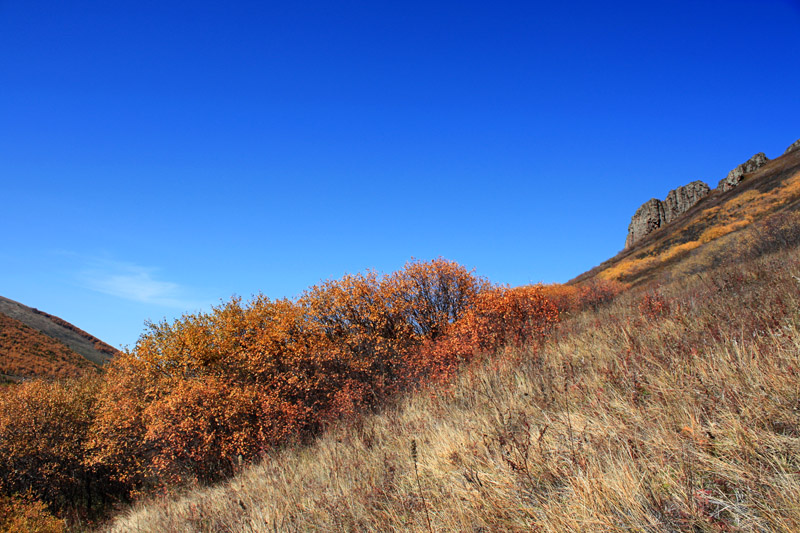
(773, 188)
(668, 410)
(674, 408)
(34, 343)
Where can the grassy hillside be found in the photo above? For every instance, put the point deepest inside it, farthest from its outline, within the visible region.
(430, 399)
(25, 352)
(772, 189)
(674, 408)
(36, 344)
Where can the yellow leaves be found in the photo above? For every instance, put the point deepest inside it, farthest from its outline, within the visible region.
(24, 513)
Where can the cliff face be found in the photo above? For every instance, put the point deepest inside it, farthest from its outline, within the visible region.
(683, 198)
(648, 218)
(735, 176)
(654, 213)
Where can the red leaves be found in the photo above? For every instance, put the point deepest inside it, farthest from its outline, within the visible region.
(654, 305)
(498, 317)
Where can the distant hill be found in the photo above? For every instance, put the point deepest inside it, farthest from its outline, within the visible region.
(36, 344)
(751, 193)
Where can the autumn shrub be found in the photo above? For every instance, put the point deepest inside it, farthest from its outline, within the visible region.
(20, 514)
(208, 425)
(44, 430)
(508, 317)
(579, 297)
(566, 298)
(433, 295)
(358, 335)
(200, 394)
(499, 317)
(654, 305)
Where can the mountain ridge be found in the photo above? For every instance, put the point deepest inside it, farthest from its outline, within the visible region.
(656, 213)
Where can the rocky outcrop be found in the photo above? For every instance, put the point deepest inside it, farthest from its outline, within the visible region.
(683, 198)
(648, 218)
(735, 176)
(654, 213)
(794, 146)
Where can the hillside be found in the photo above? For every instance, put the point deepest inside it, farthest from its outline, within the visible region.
(430, 399)
(27, 353)
(672, 408)
(772, 188)
(36, 344)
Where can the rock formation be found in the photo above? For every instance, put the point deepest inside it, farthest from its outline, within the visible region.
(734, 177)
(654, 213)
(683, 198)
(794, 146)
(648, 218)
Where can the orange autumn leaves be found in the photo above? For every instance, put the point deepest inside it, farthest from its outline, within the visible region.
(198, 396)
(201, 395)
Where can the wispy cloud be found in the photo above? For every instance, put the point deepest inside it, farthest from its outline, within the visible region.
(136, 283)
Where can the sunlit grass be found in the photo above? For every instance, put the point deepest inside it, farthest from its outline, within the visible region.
(710, 224)
(673, 417)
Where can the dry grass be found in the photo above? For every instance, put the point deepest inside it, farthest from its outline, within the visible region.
(675, 408)
(708, 224)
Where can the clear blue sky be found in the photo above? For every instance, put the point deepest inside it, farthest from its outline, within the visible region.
(159, 157)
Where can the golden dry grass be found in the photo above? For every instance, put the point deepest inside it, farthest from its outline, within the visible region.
(675, 408)
(709, 224)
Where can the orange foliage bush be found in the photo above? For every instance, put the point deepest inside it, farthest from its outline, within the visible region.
(500, 316)
(198, 395)
(509, 316)
(587, 295)
(44, 428)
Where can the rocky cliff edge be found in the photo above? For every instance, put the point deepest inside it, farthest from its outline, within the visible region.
(655, 213)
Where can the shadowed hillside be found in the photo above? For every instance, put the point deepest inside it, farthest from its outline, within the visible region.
(34, 343)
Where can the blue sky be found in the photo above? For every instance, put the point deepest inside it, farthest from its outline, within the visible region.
(157, 158)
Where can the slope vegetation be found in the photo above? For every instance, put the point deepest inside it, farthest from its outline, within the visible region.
(674, 408)
(36, 344)
(773, 188)
(27, 353)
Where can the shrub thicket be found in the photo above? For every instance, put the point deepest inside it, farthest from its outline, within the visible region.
(199, 396)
